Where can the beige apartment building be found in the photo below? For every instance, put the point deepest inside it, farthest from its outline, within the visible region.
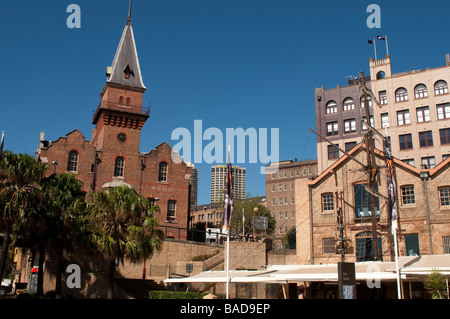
(280, 192)
(413, 106)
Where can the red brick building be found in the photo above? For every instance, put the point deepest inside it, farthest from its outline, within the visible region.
(112, 158)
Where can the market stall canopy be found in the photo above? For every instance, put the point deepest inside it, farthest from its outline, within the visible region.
(410, 266)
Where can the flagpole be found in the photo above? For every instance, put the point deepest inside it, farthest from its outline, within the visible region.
(375, 48)
(387, 48)
(228, 243)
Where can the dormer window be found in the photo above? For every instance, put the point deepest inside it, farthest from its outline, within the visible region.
(128, 71)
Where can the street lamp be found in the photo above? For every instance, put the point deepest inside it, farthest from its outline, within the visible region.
(54, 163)
(255, 210)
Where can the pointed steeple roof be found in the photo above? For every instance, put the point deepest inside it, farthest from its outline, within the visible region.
(125, 69)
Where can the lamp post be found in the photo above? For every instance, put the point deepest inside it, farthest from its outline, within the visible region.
(255, 210)
(54, 163)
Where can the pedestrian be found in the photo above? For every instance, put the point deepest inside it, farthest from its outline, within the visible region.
(301, 292)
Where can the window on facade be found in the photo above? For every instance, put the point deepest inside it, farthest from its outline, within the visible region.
(423, 114)
(405, 142)
(446, 244)
(364, 247)
(328, 245)
(333, 152)
(171, 209)
(385, 120)
(383, 97)
(426, 139)
(369, 100)
(403, 117)
(349, 104)
(440, 87)
(349, 126)
(412, 245)
(331, 107)
(364, 126)
(444, 134)
(443, 111)
(349, 146)
(363, 201)
(407, 195)
(327, 202)
(332, 128)
(420, 91)
(409, 161)
(401, 94)
(119, 166)
(444, 196)
(162, 176)
(72, 162)
(428, 162)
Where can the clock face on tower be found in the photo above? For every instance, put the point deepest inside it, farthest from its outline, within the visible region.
(121, 137)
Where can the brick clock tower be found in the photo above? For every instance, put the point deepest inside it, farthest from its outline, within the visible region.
(112, 158)
(119, 117)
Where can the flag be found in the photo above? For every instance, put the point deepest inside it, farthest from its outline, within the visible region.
(381, 37)
(228, 200)
(1, 145)
(392, 189)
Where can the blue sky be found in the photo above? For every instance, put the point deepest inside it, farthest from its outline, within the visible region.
(234, 63)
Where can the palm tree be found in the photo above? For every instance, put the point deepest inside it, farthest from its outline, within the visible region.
(19, 177)
(122, 225)
(435, 285)
(63, 200)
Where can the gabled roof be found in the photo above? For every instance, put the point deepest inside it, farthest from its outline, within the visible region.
(125, 69)
(361, 146)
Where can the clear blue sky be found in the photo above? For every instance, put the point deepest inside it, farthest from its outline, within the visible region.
(234, 63)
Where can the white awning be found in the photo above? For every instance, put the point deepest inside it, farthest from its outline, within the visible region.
(410, 266)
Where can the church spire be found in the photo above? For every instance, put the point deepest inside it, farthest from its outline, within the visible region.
(125, 69)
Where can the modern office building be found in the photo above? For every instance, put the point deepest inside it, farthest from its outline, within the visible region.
(218, 174)
(413, 106)
(194, 184)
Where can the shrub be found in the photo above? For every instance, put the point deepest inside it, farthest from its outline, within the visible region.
(163, 294)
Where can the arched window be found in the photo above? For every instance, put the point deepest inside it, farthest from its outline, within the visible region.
(380, 75)
(331, 107)
(128, 101)
(420, 91)
(401, 94)
(364, 246)
(121, 100)
(349, 104)
(440, 87)
(369, 101)
(162, 176)
(72, 162)
(119, 166)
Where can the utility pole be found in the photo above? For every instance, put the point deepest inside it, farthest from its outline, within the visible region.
(371, 169)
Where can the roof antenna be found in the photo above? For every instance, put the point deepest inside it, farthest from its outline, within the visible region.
(129, 11)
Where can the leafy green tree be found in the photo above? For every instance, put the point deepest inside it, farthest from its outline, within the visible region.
(19, 194)
(121, 224)
(246, 207)
(62, 203)
(435, 285)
